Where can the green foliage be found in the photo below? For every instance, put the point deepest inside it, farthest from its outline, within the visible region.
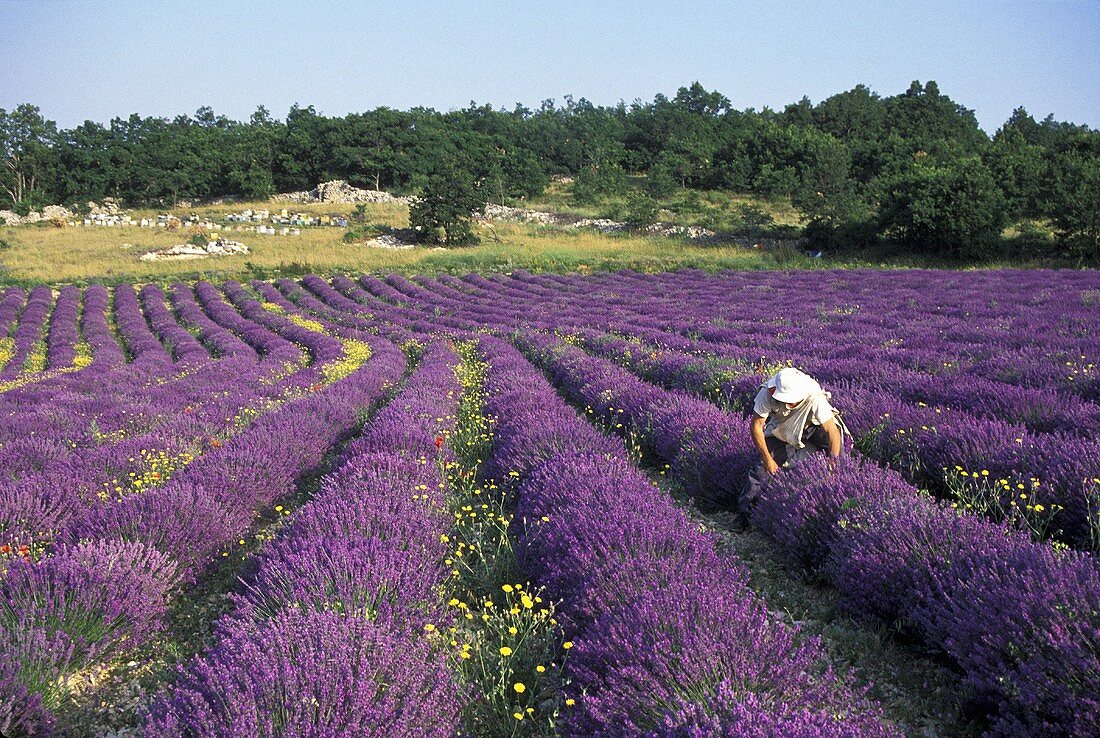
(1073, 195)
(28, 148)
(446, 205)
(952, 209)
(595, 183)
(842, 162)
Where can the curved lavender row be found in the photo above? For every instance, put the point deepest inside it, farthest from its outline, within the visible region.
(319, 296)
(669, 633)
(265, 342)
(29, 331)
(62, 337)
(144, 348)
(182, 345)
(366, 548)
(223, 343)
(205, 507)
(807, 517)
(106, 353)
(355, 324)
(321, 347)
(343, 295)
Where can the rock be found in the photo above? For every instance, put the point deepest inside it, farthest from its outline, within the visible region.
(603, 225)
(503, 212)
(184, 251)
(339, 191)
(386, 241)
(50, 212)
(695, 233)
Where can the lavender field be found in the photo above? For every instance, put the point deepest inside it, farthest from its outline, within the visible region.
(494, 505)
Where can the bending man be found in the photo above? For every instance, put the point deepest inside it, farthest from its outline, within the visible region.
(791, 419)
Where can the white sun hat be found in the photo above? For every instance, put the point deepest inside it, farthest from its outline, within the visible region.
(792, 385)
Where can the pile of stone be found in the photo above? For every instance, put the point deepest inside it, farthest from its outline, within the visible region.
(518, 215)
(386, 241)
(186, 251)
(109, 207)
(603, 225)
(695, 233)
(339, 191)
(48, 213)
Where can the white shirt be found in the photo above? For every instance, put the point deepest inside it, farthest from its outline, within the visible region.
(818, 412)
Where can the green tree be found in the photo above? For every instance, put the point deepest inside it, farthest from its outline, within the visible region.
(923, 118)
(1021, 169)
(825, 190)
(450, 197)
(951, 209)
(27, 147)
(1073, 195)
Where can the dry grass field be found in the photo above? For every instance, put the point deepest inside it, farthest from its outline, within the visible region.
(49, 254)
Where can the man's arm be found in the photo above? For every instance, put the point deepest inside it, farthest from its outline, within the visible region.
(836, 440)
(756, 430)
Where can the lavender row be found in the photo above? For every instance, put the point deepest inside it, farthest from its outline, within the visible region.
(1039, 672)
(29, 331)
(184, 347)
(670, 639)
(62, 338)
(142, 346)
(221, 342)
(10, 306)
(345, 586)
(321, 347)
(263, 341)
(106, 353)
(181, 526)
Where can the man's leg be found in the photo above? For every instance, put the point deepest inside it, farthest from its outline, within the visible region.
(817, 439)
(751, 491)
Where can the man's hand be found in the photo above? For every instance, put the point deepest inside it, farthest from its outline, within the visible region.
(756, 431)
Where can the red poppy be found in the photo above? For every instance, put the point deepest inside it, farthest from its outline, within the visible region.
(438, 441)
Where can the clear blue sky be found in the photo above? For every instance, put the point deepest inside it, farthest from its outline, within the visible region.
(80, 60)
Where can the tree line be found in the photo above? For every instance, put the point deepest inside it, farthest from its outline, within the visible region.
(914, 168)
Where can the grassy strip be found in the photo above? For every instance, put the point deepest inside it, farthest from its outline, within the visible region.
(915, 688)
(506, 639)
